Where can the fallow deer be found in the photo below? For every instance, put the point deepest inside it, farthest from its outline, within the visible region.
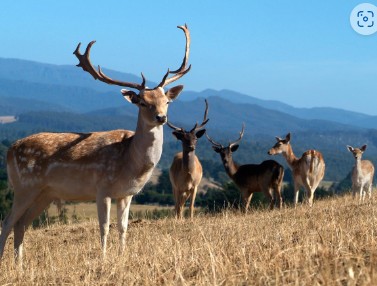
(266, 177)
(186, 171)
(362, 173)
(307, 171)
(98, 166)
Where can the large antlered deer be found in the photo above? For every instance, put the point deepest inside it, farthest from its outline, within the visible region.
(362, 173)
(307, 171)
(266, 177)
(186, 171)
(98, 166)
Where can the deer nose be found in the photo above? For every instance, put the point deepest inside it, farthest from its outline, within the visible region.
(161, 118)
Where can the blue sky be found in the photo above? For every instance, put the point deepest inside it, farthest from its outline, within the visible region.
(303, 53)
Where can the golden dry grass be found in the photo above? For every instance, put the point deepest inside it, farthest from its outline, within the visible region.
(333, 243)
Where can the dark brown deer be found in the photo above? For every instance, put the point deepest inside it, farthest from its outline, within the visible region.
(266, 177)
(186, 171)
(98, 166)
(308, 171)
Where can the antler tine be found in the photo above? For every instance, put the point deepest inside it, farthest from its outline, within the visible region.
(86, 65)
(241, 135)
(182, 69)
(214, 142)
(174, 127)
(205, 119)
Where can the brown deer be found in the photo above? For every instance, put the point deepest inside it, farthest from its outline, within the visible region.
(307, 171)
(98, 166)
(186, 171)
(266, 177)
(362, 173)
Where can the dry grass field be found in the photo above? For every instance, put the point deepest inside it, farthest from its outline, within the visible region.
(333, 243)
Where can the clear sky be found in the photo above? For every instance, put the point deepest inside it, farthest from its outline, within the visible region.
(303, 53)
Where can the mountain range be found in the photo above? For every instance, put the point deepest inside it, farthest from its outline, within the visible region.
(64, 98)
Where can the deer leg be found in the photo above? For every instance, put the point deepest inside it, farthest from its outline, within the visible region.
(20, 205)
(370, 191)
(270, 197)
(20, 227)
(177, 200)
(181, 204)
(361, 194)
(246, 201)
(123, 210)
(192, 202)
(310, 197)
(103, 209)
(296, 193)
(278, 197)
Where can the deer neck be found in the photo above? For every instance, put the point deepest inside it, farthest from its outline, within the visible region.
(230, 166)
(290, 157)
(358, 166)
(146, 146)
(188, 160)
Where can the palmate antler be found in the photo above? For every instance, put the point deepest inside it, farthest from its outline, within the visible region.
(86, 65)
(182, 69)
(196, 127)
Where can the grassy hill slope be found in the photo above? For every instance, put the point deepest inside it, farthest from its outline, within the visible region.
(333, 243)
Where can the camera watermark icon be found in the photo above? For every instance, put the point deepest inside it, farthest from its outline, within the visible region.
(363, 19)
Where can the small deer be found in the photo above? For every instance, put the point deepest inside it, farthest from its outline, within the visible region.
(266, 177)
(98, 166)
(308, 171)
(186, 171)
(362, 173)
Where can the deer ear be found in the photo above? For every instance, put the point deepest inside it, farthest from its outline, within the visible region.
(234, 148)
(177, 135)
(363, 148)
(217, 149)
(288, 137)
(200, 133)
(350, 148)
(130, 96)
(174, 92)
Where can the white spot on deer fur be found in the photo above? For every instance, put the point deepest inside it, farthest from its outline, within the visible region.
(31, 164)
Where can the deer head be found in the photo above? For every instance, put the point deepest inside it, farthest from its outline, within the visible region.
(190, 138)
(152, 102)
(226, 152)
(357, 152)
(281, 145)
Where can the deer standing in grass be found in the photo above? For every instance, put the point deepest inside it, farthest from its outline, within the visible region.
(362, 173)
(266, 177)
(307, 171)
(98, 166)
(186, 171)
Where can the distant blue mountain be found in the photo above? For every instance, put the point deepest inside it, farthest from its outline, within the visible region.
(69, 88)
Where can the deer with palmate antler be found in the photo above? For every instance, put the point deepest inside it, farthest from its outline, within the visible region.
(266, 177)
(186, 171)
(307, 171)
(98, 166)
(362, 173)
